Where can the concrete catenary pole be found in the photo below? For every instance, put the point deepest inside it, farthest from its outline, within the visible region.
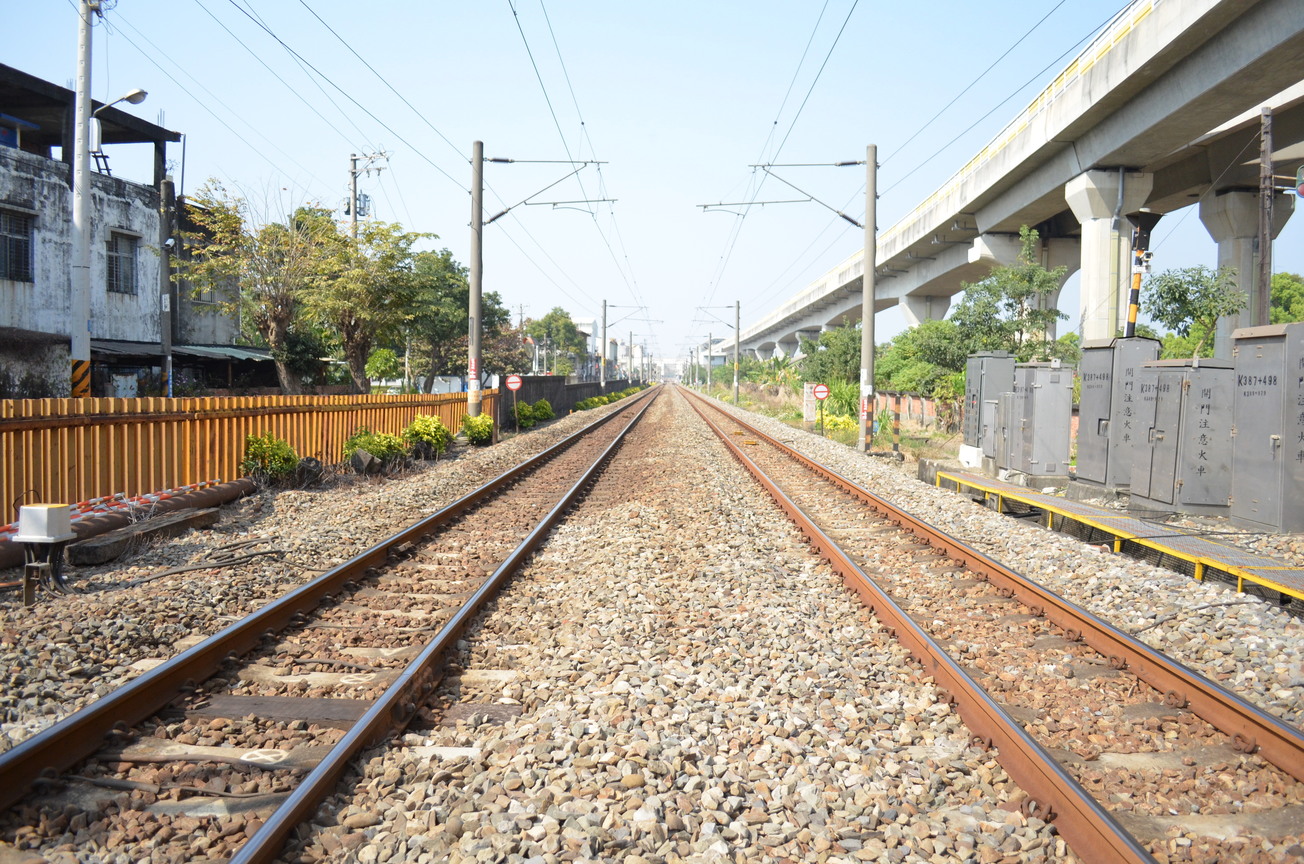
(602, 349)
(1261, 313)
(477, 277)
(710, 359)
(738, 306)
(79, 323)
(866, 436)
(629, 357)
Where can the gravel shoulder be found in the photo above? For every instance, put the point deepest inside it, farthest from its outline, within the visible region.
(66, 652)
(1245, 644)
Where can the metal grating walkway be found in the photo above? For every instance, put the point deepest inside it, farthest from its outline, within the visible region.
(1197, 556)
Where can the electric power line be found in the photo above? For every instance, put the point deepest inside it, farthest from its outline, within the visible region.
(346, 95)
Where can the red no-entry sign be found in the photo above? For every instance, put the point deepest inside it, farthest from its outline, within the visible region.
(821, 392)
(513, 382)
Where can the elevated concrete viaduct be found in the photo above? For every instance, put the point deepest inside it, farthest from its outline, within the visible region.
(1159, 112)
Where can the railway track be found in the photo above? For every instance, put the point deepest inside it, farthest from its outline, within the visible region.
(255, 725)
(1133, 756)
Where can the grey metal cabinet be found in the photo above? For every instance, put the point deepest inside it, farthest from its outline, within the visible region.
(1035, 420)
(1183, 458)
(1107, 405)
(986, 376)
(1268, 447)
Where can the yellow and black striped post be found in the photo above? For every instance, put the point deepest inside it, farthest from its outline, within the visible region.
(81, 379)
(1145, 222)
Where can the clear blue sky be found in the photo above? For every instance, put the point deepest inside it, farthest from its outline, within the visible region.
(677, 97)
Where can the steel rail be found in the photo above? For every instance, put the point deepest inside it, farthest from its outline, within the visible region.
(81, 734)
(1055, 794)
(1250, 727)
(398, 704)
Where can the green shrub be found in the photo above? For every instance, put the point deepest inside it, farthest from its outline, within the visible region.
(524, 415)
(427, 435)
(382, 445)
(479, 429)
(542, 411)
(268, 459)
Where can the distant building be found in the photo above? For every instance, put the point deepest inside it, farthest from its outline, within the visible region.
(132, 298)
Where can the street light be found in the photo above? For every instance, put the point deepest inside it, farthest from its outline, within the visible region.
(135, 97)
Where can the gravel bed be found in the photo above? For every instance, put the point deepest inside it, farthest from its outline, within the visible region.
(1245, 644)
(66, 652)
(695, 686)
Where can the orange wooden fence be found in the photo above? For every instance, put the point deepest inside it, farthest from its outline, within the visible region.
(61, 451)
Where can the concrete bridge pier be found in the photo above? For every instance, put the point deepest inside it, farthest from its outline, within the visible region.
(1101, 201)
(1232, 220)
(919, 309)
(1004, 249)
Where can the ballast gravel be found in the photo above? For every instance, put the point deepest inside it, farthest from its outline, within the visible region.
(1246, 644)
(66, 652)
(695, 686)
(723, 658)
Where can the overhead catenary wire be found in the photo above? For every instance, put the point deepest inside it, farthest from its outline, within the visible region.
(204, 104)
(627, 277)
(382, 78)
(997, 106)
(971, 84)
(348, 96)
(732, 244)
(950, 104)
(252, 53)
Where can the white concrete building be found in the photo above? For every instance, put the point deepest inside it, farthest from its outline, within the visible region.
(136, 313)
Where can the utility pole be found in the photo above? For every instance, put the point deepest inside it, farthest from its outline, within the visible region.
(602, 349)
(79, 325)
(868, 294)
(710, 359)
(353, 195)
(354, 171)
(167, 201)
(629, 357)
(738, 305)
(477, 277)
(1261, 314)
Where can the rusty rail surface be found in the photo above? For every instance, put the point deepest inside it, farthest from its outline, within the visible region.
(80, 735)
(1251, 728)
(398, 704)
(1055, 794)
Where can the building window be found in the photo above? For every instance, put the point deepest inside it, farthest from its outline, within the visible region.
(122, 263)
(16, 246)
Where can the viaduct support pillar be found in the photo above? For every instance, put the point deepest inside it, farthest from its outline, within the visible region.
(1101, 201)
(927, 308)
(1232, 220)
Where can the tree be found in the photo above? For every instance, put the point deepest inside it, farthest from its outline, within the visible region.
(918, 358)
(369, 294)
(556, 332)
(1190, 300)
(1010, 309)
(834, 356)
(442, 304)
(384, 364)
(1287, 298)
(274, 265)
(505, 351)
